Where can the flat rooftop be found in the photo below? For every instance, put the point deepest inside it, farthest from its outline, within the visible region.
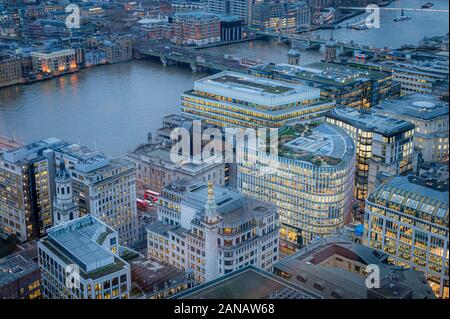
(15, 267)
(247, 83)
(420, 106)
(253, 89)
(370, 121)
(146, 274)
(29, 151)
(196, 15)
(319, 144)
(80, 240)
(247, 283)
(160, 156)
(327, 73)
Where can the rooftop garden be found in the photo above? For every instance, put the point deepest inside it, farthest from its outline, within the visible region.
(128, 255)
(101, 238)
(289, 133)
(108, 269)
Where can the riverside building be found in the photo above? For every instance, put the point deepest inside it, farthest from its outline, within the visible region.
(90, 245)
(213, 230)
(407, 218)
(230, 99)
(310, 181)
(347, 85)
(383, 145)
(196, 28)
(10, 70)
(53, 62)
(275, 16)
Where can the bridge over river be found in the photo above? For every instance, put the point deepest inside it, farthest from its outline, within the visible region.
(197, 60)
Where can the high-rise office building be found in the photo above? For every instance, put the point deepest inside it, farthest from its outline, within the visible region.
(103, 187)
(347, 85)
(26, 190)
(213, 230)
(407, 218)
(79, 260)
(310, 180)
(230, 99)
(383, 145)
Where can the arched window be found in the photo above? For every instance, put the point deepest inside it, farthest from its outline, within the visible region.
(57, 189)
(71, 216)
(68, 190)
(62, 191)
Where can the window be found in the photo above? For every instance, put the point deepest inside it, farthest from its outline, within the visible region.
(411, 203)
(441, 212)
(396, 198)
(425, 208)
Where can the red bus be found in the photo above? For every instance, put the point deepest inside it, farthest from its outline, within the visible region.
(151, 195)
(141, 204)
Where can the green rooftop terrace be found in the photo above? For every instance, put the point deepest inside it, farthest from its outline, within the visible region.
(313, 143)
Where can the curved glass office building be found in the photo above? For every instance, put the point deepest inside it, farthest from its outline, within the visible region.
(310, 180)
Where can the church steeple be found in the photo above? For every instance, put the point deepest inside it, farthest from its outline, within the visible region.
(63, 185)
(294, 55)
(64, 208)
(330, 49)
(210, 206)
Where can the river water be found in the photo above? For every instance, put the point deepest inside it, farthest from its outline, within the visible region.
(113, 107)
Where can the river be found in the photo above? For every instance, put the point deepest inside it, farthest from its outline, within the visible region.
(113, 107)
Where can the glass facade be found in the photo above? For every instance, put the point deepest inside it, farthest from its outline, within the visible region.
(412, 227)
(313, 199)
(223, 111)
